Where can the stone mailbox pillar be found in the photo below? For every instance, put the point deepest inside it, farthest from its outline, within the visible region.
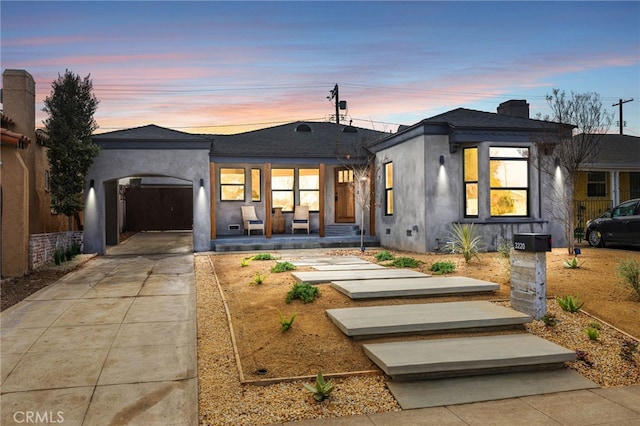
(529, 273)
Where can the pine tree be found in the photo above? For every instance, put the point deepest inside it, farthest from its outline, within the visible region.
(70, 125)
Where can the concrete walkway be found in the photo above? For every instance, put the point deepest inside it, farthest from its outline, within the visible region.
(113, 343)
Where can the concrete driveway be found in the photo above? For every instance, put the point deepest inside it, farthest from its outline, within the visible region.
(113, 342)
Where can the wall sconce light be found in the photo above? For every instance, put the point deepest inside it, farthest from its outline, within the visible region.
(557, 162)
(201, 182)
(92, 183)
(442, 160)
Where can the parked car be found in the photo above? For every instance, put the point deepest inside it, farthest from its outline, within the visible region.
(620, 225)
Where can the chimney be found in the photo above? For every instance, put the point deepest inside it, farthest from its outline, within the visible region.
(514, 108)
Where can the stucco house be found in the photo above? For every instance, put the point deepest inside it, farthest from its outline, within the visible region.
(272, 169)
(30, 230)
(611, 178)
(467, 166)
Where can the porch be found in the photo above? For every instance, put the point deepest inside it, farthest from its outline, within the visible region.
(289, 242)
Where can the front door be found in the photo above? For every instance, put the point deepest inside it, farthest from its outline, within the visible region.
(344, 196)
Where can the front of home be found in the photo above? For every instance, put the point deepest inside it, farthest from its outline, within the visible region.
(467, 166)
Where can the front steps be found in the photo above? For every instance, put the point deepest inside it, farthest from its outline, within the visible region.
(452, 370)
(467, 356)
(396, 320)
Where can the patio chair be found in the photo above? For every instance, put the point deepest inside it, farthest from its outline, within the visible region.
(251, 221)
(300, 219)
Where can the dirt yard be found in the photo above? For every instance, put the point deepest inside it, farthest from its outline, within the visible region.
(315, 344)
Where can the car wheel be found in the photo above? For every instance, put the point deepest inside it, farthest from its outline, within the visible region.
(595, 239)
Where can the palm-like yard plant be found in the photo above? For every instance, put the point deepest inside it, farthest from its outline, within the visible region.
(464, 240)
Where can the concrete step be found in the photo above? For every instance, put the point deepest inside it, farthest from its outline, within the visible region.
(412, 287)
(467, 356)
(337, 230)
(318, 277)
(328, 260)
(375, 321)
(464, 390)
(347, 267)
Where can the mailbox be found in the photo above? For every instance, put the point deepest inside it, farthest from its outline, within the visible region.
(532, 242)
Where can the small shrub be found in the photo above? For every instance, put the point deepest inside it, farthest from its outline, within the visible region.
(569, 303)
(595, 324)
(405, 262)
(245, 261)
(465, 241)
(303, 291)
(263, 256)
(68, 254)
(320, 389)
(628, 350)
(286, 323)
(443, 267)
(629, 271)
(56, 257)
(75, 249)
(504, 247)
(593, 333)
(383, 255)
(259, 279)
(283, 267)
(573, 263)
(550, 320)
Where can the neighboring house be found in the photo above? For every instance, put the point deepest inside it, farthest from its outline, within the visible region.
(610, 179)
(30, 229)
(293, 164)
(467, 166)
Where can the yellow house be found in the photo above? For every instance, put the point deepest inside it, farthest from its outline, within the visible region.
(612, 178)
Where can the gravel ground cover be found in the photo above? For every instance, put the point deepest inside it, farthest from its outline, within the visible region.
(225, 400)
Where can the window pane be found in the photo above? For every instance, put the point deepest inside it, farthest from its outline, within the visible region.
(471, 164)
(282, 179)
(596, 184)
(309, 178)
(388, 175)
(311, 199)
(389, 202)
(471, 201)
(502, 152)
(283, 199)
(232, 192)
(255, 184)
(509, 174)
(233, 176)
(509, 202)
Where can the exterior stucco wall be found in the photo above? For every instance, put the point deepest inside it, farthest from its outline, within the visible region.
(113, 164)
(429, 197)
(15, 213)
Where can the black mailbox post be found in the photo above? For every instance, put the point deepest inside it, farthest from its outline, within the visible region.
(532, 242)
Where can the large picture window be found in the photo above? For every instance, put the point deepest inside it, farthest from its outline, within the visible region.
(232, 184)
(509, 181)
(282, 181)
(388, 189)
(471, 182)
(596, 184)
(309, 187)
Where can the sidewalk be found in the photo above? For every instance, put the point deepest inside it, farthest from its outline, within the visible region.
(111, 343)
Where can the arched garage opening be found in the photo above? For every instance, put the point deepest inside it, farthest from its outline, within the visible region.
(175, 167)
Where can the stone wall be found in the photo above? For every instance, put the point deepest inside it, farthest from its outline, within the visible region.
(43, 246)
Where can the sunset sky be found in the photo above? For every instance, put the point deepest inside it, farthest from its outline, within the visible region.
(228, 67)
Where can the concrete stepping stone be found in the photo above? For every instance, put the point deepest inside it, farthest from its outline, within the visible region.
(372, 321)
(467, 356)
(412, 287)
(330, 260)
(464, 390)
(318, 277)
